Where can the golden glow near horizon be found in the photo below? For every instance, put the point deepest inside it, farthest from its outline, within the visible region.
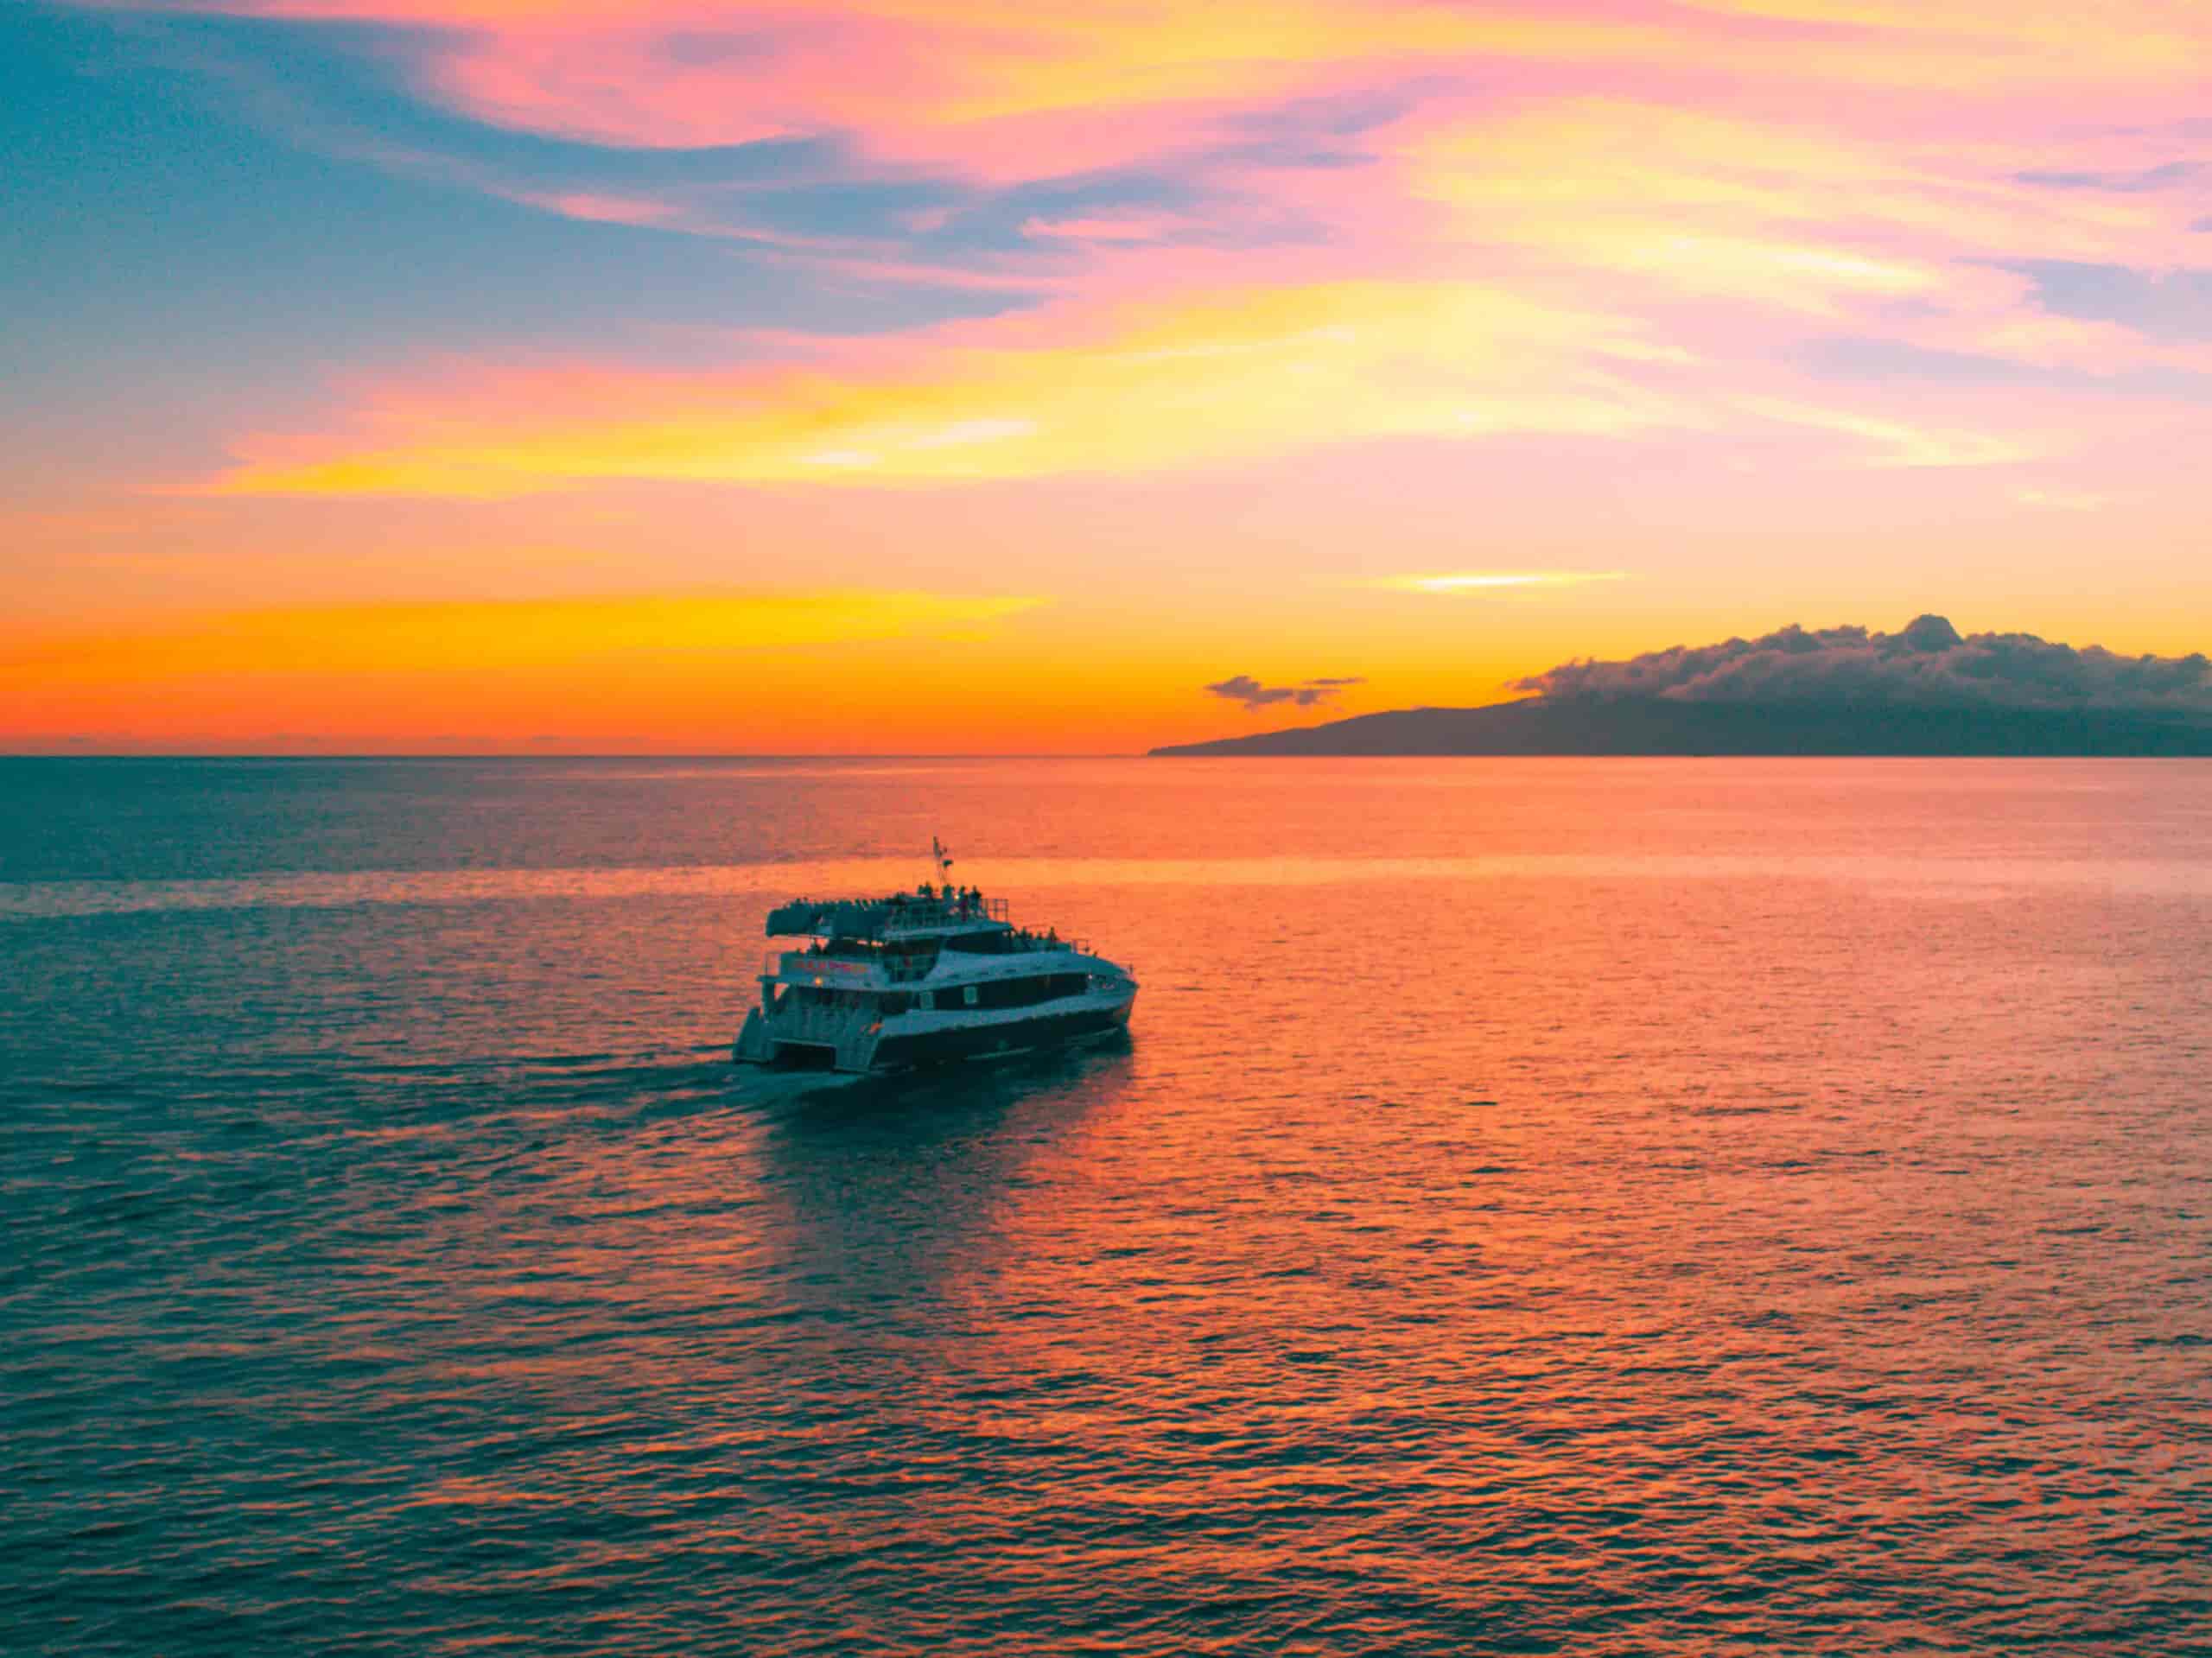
(1007, 373)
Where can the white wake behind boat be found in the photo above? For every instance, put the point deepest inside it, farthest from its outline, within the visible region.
(918, 978)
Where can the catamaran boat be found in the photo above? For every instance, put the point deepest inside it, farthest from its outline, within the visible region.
(918, 978)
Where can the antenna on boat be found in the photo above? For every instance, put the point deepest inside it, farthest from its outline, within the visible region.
(943, 860)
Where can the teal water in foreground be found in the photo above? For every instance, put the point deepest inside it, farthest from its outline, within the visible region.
(1594, 1206)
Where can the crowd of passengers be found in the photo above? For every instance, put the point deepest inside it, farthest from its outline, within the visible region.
(962, 901)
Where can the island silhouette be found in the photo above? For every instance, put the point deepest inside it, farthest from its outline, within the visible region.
(1925, 689)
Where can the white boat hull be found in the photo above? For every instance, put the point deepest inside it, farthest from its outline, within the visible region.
(930, 1036)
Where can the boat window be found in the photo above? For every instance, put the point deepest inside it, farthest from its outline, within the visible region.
(1012, 993)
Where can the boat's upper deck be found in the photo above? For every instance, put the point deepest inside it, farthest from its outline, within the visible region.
(906, 937)
(926, 913)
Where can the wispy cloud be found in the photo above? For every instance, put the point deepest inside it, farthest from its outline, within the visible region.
(597, 208)
(1150, 228)
(1033, 86)
(1306, 694)
(1077, 388)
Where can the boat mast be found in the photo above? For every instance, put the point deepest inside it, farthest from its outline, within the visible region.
(943, 861)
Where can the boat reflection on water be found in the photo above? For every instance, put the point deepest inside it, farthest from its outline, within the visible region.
(885, 1186)
(937, 1101)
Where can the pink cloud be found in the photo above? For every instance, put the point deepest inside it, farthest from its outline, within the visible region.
(1003, 89)
(600, 209)
(1152, 228)
(1722, 185)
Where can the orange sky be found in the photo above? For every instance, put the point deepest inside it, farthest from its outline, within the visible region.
(895, 376)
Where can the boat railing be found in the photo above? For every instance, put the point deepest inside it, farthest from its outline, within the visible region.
(1052, 941)
(869, 918)
(908, 911)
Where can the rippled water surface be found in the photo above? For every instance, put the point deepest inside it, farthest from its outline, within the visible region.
(1595, 1207)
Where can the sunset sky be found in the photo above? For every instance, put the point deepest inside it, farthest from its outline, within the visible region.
(894, 376)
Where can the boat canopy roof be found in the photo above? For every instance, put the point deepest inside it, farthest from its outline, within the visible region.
(900, 915)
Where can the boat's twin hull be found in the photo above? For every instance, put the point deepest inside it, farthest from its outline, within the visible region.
(942, 1041)
(991, 1041)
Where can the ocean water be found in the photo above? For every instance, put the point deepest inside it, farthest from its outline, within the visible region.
(1599, 1207)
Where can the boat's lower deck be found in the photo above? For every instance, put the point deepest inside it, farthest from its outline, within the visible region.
(932, 1037)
